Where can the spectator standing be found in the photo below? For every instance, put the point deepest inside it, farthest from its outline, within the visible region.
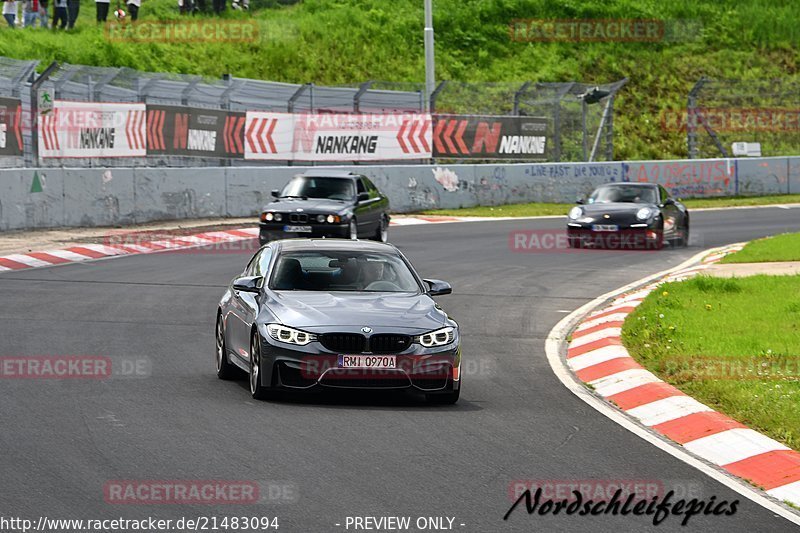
(73, 9)
(133, 9)
(10, 13)
(30, 13)
(43, 14)
(102, 9)
(60, 14)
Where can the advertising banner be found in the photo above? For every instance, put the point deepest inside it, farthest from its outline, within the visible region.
(337, 137)
(93, 129)
(193, 131)
(10, 127)
(490, 137)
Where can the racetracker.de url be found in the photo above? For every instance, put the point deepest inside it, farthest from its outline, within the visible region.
(44, 524)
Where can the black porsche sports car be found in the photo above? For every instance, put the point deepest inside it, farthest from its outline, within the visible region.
(326, 203)
(628, 215)
(317, 313)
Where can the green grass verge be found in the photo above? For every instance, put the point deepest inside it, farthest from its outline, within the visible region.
(541, 209)
(351, 41)
(784, 247)
(733, 344)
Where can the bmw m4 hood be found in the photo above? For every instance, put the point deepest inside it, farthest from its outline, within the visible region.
(307, 309)
(312, 205)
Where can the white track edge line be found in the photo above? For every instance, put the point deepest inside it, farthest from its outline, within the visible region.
(553, 344)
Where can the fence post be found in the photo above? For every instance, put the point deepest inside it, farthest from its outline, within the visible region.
(35, 109)
(357, 97)
(691, 118)
(435, 95)
(518, 96)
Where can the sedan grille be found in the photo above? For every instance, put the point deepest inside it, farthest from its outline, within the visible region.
(343, 342)
(298, 217)
(389, 343)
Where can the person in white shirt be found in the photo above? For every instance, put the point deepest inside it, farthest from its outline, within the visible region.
(10, 13)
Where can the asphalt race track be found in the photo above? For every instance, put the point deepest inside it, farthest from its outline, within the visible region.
(340, 455)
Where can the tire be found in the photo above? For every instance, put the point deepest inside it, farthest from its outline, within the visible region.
(382, 233)
(225, 369)
(685, 236)
(257, 390)
(353, 229)
(443, 398)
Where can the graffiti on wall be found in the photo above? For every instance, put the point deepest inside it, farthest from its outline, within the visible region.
(684, 178)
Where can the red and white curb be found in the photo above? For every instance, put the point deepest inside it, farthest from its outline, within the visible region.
(88, 252)
(598, 358)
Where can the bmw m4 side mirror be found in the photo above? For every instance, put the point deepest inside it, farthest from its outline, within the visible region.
(248, 284)
(438, 287)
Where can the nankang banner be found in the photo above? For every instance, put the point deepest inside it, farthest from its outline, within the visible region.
(193, 131)
(337, 137)
(93, 129)
(490, 137)
(10, 127)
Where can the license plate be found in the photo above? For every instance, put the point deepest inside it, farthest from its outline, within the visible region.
(297, 229)
(605, 227)
(367, 361)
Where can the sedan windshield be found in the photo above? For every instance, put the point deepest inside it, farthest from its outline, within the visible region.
(621, 193)
(331, 188)
(342, 271)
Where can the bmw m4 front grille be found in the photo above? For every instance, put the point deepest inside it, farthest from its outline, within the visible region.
(386, 343)
(344, 342)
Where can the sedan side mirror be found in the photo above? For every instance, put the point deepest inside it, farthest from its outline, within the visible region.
(580, 201)
(275, 193)
(438, 287)
(669, 201)
(248, 284)
(362, 196)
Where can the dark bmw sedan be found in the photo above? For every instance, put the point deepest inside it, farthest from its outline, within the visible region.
(329, 313)
(628, 215)
(326, 203)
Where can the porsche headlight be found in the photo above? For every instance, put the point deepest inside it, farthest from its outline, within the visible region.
(575, 213)
(440, 337)
(644, 213)
(290, 335)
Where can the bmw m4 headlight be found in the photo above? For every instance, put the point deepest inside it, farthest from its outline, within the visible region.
(645, 213)
(290, 335)
(575, 213)
(440, 337)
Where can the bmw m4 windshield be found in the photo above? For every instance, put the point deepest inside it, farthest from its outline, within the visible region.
(623, 194)
(342, 271)
(330, 188)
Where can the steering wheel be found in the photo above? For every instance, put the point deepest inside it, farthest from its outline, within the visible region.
(381, 285)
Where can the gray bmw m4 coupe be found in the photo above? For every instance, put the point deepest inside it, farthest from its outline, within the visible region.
(316, 313)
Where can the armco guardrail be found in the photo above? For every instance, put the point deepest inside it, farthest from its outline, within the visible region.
(52, 197)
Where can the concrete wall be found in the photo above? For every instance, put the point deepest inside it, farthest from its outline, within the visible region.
(102, 197)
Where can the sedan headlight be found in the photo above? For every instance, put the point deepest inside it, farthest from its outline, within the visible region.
(269, 217)
(333, 218)
(320, 218)
(575, 213)
(290, 335)
(440, 337)
(644, 213)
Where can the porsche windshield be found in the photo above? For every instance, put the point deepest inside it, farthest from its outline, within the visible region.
(342, 271)
(331, 188)
(621, 193)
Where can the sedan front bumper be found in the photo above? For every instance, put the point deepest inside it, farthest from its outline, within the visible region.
(311, 366)
(269, 231)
